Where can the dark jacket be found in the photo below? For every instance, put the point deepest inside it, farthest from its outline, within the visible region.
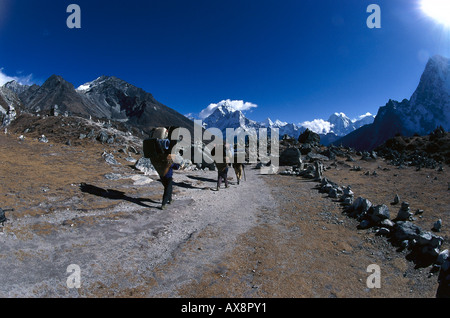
(173, 167)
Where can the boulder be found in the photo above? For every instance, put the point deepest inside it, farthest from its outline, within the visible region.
(316, 157)
(429, 239)
(442, 257)
(291, 157)
(309, 137)
(379, 213)
(109, 158)
(405, 230)
(145, 165)
(102, 137)
(359, 208)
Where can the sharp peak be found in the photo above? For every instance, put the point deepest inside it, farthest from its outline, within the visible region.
(56, 78)
(438, 61)
(438, 57)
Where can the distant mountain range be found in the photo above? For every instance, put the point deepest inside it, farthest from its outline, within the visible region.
(107, 97)
(338, 124)
(428, 108)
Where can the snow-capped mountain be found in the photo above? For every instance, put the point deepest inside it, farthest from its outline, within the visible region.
(16, 87)
(120, 100)
(428, 108)
(342, 125)
(225, 116)
(10, 105)
(104, 98)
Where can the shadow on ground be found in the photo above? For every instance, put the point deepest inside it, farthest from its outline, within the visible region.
(114, 195)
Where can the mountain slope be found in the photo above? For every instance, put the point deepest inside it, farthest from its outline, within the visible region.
(104, 98)
(428, 108)
(10, 106)
(57, 91)
(120, 100)
(339, 124)
(342, 125)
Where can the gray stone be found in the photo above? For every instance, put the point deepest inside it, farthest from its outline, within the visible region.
(429, 239)
(364, 224)
(110, 140)
(291, 157)
(379, 213)
(405, 230)
(333, 193)
(387, 223)
(442, 257)
(102, 136)
(43, 139)
(91, 134)
(430, 251)
(315, 156)
(109, 158)
(113, 176)
(145, 165)
(396, 200)
(384, 231)
(404, 214)
(361, 205)
(437, 225)
(2, 216)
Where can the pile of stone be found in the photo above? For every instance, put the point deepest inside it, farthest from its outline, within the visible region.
(312, 171)
(424, 246)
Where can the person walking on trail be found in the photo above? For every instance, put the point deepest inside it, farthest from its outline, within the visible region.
(239, 170)
(167, 181)
(222, 167)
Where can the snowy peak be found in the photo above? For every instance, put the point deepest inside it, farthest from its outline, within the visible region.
(224, 117)
(434, 82)
(102, 82)
(429, 106)
(16, 87)
(340, 124)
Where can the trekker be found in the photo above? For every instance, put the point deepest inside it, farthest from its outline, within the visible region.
(167, 181)
(222, 167)
(239, 170)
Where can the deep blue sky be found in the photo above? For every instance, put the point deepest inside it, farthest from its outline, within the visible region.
(296, 59)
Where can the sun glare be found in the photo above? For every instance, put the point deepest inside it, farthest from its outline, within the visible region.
(439, 10)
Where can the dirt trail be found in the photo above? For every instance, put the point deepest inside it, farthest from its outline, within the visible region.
(113, 230)
(271, 236)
